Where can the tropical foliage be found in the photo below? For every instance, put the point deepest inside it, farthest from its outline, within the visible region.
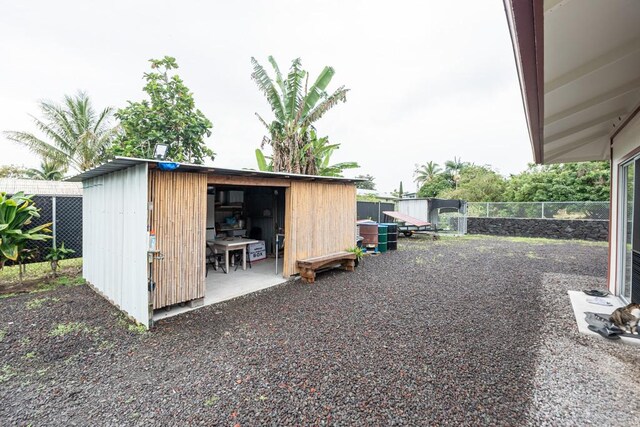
(49, 171)
(321, 152)
(587, 181)
(426, 172)
(296, 107)
(16, 213)
(55, 255)
(74, 135)
(476, 183)
(12, 171)
(169, 117)
(367, 184)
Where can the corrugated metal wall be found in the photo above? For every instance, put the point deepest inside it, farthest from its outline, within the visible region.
(417, 208)
(320, 219)
(115, 238)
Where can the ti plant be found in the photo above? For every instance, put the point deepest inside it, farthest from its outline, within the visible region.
(55, 255)
(358, 251)
(16, 212)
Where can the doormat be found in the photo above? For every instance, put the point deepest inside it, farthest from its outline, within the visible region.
(600, 324)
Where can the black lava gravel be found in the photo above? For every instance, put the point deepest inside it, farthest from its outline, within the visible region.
(439, 332)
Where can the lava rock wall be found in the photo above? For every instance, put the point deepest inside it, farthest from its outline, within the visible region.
(548, 228)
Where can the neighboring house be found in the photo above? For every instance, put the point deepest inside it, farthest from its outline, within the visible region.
(127, 199)
(579, 68)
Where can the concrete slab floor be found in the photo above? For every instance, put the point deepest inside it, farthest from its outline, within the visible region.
(580, 304)
(222, 287)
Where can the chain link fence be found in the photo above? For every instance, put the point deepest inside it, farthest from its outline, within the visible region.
(544, 210)
(452, 222)
(65, 214)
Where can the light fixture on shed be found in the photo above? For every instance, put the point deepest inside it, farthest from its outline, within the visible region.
(160, 152)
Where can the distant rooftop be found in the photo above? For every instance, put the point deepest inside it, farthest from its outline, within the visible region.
(40, 187)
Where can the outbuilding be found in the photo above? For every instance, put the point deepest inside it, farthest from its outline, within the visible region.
(143, 224)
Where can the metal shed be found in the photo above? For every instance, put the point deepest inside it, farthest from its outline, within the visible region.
(448, 214)
(126, 198)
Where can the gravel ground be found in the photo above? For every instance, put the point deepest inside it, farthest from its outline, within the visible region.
(439, 332)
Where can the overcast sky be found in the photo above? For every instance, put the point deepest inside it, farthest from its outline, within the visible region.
(429, 80)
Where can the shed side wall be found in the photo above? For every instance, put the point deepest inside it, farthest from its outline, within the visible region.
(320, 220)
(416, 208)
(114, 217)
(179, 218)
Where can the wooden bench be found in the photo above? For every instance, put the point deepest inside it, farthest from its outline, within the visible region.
(309, 266)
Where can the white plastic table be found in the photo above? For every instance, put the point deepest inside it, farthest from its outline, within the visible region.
(231, 244)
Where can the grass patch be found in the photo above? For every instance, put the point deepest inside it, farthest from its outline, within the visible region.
(63, 329)
(127, 324)
(6, 373)
(37, 270)
(137, 328)
(212, 400)
(58, 282)
(30, 355)
(39, 302)
(3, 334)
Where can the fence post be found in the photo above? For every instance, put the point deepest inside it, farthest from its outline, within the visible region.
(542, 214)
(379, 208)
(487, 209)
(53, 220)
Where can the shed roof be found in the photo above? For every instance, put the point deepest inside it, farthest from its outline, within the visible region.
(119, 163)
(40, 187)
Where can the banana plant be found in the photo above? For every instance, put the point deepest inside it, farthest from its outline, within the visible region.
(16, 212)
(296, 106)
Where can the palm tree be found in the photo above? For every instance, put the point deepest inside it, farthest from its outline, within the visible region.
(454, 167)
(426, 172)
(49, 171)
(296, 107)
(75, 136)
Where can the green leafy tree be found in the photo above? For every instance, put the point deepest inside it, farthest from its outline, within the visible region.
(12, 171)
(426, 172)
(74, 135)
(168, 117)
(367, 184)
(296, 107)
(434, 187)
(16, 212)
(477, 184)
(585, 181)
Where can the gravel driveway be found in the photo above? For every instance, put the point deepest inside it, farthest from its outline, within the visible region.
(439, 332)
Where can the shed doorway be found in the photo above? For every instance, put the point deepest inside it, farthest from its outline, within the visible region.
(243, 214)
(234, 215)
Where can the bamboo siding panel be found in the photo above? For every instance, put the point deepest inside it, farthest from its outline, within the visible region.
(178, 216)
(320, 219)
